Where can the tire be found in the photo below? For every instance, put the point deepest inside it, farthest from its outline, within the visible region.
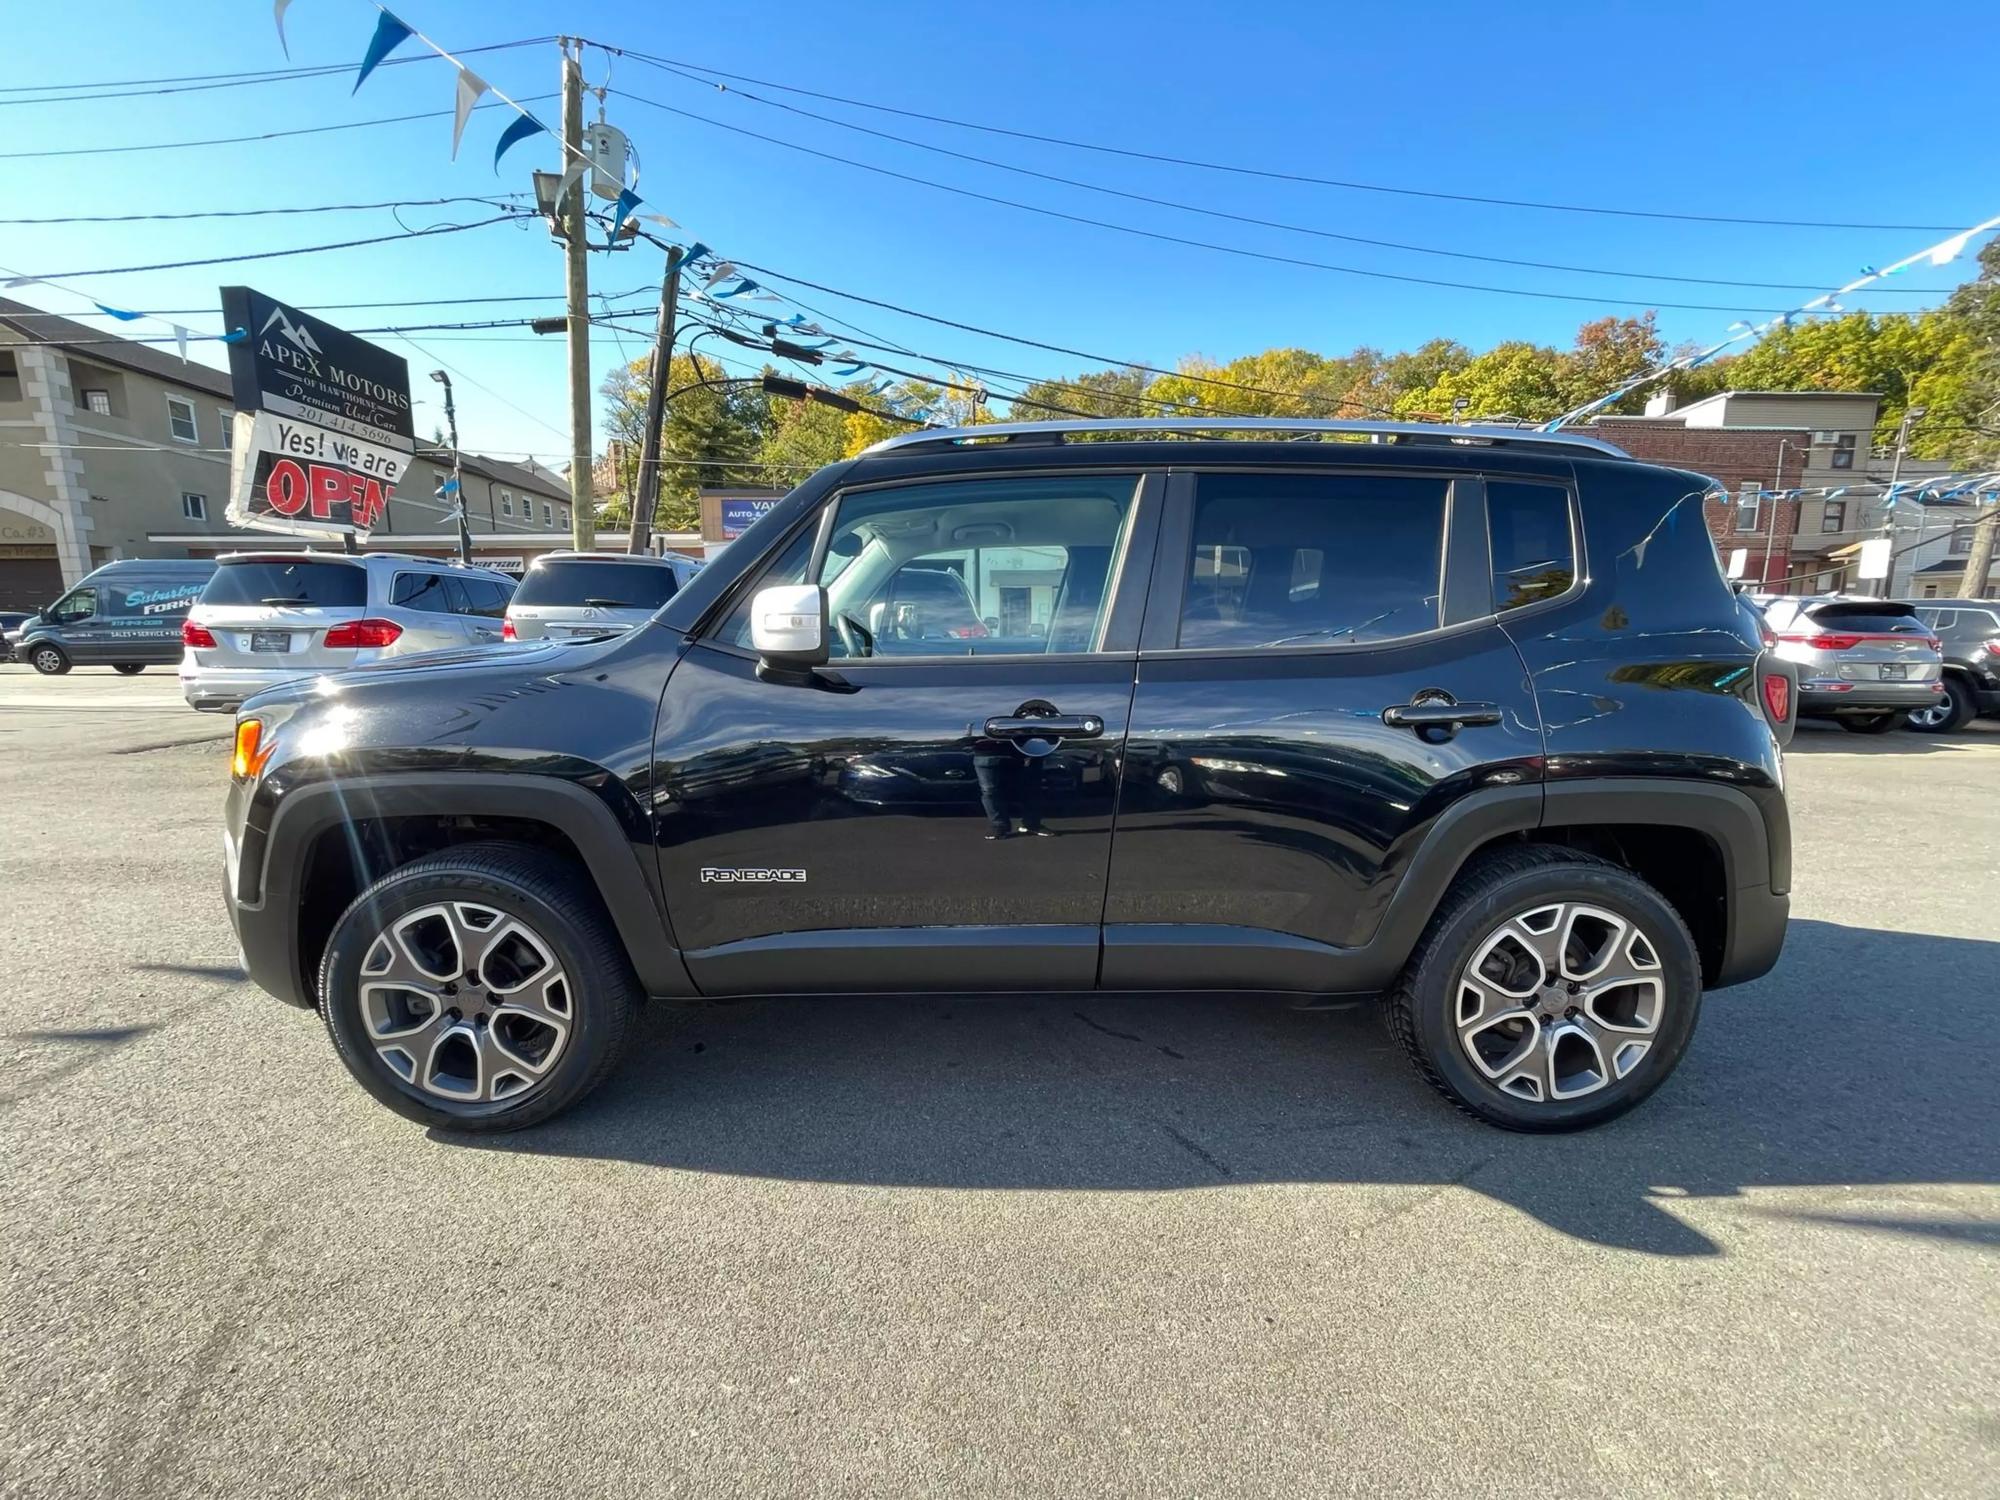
(565, 924)
(1429, 1003)
(1873, 723)
(48, 658)
(1955, 709)
(128, 668)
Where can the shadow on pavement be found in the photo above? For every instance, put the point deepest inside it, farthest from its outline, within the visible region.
(1868, 1059)
(1822, 736)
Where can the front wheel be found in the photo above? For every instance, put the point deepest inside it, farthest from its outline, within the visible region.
(49, 660)
(1552, 991)
(128, 668)
(1948, 713)
(1871, 723)
(482, 988)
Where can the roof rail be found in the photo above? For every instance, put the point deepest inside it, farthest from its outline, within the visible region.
(1467, 435)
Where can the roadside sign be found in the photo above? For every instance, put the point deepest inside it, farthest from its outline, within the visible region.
(1738, 561)
(1874, 559)
(322, 432)
(738, 514)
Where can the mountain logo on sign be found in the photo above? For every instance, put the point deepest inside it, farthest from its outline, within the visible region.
(300, 338)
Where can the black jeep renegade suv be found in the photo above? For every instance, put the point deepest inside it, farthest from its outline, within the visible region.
(1466, 717)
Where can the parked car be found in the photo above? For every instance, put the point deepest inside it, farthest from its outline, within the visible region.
(1455, 746)
(125, 615)
(268, 617)
(593, 594)
(1969, 637)
(11, 621)
(1864, 663)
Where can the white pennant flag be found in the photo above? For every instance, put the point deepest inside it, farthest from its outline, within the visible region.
(1951, 249)
(181, 338)
(278, 14)
(470, 87)
(722, 273)
(661, 219)
(572, 175)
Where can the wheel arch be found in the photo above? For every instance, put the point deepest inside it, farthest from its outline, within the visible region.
(328, 841)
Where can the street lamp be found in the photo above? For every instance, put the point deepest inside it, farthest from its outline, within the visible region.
(454, 486)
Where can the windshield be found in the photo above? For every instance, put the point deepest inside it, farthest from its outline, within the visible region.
(606, 585)
(313, 584)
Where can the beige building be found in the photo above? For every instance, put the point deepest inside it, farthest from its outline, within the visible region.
(111, 448)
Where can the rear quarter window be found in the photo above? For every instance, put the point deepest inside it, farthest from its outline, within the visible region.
(307, 584)
(1534, 547)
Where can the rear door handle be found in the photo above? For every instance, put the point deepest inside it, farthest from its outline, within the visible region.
(1054, 727)
(1439, 714)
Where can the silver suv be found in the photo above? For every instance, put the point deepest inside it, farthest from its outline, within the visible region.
(267, 617)
(586, 594)
(1864, 663)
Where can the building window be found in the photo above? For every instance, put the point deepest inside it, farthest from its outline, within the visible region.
(226, 420)
(548, 514)
(1749, 501)
(1834, 517)
(194, 507)
(10, 378)
(180, 420)
(506, 503)
(1842, 456)
(1961, 542)
(98, 401)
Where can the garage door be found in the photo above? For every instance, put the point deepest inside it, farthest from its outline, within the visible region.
(29, 582)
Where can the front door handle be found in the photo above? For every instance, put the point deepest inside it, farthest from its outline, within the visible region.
(1053, 727)
(1440, 714)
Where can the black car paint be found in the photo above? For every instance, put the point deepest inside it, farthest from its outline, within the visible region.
(1302, 845)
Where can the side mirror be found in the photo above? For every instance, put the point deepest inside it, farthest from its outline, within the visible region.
(788, 627)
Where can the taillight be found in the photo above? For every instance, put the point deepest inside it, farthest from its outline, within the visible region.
(973, 632)
(363, 633)
(1778, 696)
(1933, 643)
(253, 751)
(1993, 647)
(198, 636)
(1832, 642)
(507, 632)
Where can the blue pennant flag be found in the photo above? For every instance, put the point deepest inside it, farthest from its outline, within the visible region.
(620, 212)
(390, 34)
(850, 369)
(743, 284)
(235, 336)
(119, 313)
(519, 131)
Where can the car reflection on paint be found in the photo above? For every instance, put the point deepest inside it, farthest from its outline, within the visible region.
(948, 780)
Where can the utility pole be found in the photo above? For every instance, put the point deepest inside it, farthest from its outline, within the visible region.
(457, 476)
(1910, 414)
(576, 253)
(645, 505)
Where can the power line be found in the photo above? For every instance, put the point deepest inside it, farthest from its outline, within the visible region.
(268, 135)
(1218, 213)
(1176, 239)
(223, 260)
(492, 200)
(1272, 174)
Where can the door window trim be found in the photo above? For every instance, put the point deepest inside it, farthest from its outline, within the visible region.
(1127, 572)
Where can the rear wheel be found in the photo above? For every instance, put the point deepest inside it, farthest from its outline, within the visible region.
(1552, 991)
(480, 989)
(1871, 723)
(128, 668)
(1948, 713)
(49, 660)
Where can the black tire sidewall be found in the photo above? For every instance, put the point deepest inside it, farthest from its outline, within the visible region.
(1433, 1001)
(128, 668)
(591, 1031)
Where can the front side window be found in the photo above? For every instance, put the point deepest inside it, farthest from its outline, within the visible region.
(1534, 551)
(180, 420)
(422, 591)
(1313, 559)
(80, 605)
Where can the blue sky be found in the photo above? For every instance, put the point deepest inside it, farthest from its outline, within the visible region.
(1827, 111)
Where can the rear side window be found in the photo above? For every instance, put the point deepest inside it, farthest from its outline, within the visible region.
(1534, 553)
(1313, 559)
(486, 596)
(423, 591)
(311, 584)
(571, 583)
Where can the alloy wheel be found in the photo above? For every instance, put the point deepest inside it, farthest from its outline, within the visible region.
(1559, 1001)
(463, 1002)
(1934, 717)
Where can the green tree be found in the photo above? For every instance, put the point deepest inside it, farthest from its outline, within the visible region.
(710, 435)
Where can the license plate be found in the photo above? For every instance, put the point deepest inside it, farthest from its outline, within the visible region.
(270, 640)
(1895, 674)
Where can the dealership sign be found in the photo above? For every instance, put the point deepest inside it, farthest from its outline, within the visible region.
(739, 515)
(322, 430)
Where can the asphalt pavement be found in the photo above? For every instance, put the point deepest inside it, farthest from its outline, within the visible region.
(1049, 1247)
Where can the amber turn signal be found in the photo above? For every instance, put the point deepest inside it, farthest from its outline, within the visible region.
(251, 750)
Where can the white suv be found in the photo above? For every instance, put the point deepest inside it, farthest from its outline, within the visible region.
(589, 595)
(267, 617)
